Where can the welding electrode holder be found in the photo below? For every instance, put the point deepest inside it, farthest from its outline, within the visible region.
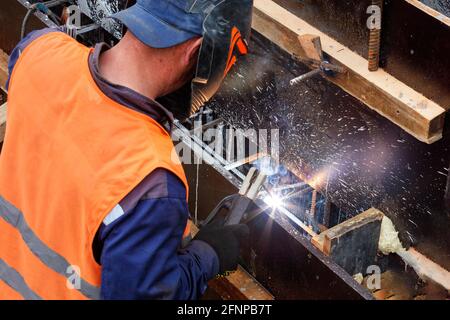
(238, 205)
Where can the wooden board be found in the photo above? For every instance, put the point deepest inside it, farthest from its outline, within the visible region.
(2, 122)
(399, 103)
(430, 11)
(311, 47)
(352, 244)
(3, 69)
(239, 285)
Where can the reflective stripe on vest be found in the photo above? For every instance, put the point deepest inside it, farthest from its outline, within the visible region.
(70, 155)
(50, 258)
(13, 279)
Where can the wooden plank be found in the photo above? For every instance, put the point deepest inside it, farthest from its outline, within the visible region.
(430, 11)
(352, 244)
(239, 285)
(2, 122)
(322, 240)
(396, 101)
(311, 46)
(425, 268)
(3, 69)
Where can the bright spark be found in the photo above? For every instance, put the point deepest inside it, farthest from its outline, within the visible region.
(273, 201)
(277, 203)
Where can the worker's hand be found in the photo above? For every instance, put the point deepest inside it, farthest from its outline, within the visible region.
(226, 241)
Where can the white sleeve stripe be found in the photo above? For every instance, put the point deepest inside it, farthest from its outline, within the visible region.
(115, 214)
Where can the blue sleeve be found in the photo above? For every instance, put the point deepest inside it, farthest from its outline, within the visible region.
(141, 256)
(17, 51)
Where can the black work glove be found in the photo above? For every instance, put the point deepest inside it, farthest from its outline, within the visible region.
(226, 242)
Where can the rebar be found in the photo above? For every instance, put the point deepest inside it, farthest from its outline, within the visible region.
(375, 40)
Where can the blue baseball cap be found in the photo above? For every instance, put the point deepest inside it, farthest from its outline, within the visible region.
(162, 23)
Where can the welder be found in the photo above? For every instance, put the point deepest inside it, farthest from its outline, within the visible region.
(93, 202)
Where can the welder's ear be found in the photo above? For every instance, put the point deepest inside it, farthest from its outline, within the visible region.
(192, 51)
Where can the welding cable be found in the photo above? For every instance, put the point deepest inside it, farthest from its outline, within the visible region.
(42, 7)
(30, 11)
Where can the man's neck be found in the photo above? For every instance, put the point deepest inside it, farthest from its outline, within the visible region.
(129, 66)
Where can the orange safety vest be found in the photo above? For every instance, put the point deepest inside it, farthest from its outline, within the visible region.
(70, 155)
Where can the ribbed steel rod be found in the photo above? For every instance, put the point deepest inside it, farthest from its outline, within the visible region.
(303, 77)
(375, 41)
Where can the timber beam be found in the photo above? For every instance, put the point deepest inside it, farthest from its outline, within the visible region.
(3, 69)
(352, 244)
(380, 91)
(239, 285)
(2, 122)
(430, 11)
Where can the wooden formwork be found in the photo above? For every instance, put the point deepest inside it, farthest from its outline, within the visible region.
(409, 109)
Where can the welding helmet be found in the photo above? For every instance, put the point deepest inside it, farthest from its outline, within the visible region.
(225, 26)
(226, 33)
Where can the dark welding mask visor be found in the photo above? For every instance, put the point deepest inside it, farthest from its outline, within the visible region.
(227, 29)
(226, 33)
